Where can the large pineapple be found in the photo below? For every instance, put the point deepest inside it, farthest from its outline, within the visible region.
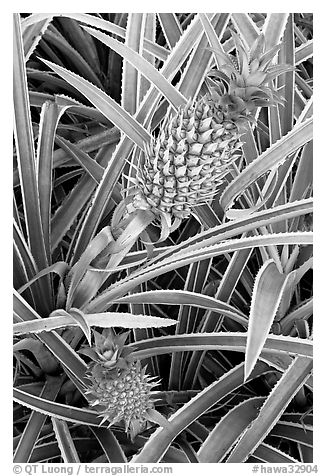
(119, 388)
(186, 163)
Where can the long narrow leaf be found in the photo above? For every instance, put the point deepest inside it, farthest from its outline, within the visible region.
(191, 255)
(60, 268)
(275, 404)
(167, 90)
(272, 455)
(274, 28)
(212, 37)
(106, 319)
(65, 442)
(27, 162)
(246, 27)
(159, 442)
(105, 104)
(266, 297)
(56, 410)
(88, 164)
(32, 35)
(110, 445)
(171, 27)
(185, 298)
(130, 75)
(55, 343)
(304, 52)
(150, 46)
(235, 341)
(50, 115)
(35, 423)
(240, 226)
(275, 155)
(225, 434)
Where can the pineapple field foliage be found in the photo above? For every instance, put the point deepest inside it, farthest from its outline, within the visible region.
(163, 238)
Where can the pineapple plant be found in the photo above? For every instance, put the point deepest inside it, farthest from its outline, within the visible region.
(186, 164)
(76, 265)
(119, 388)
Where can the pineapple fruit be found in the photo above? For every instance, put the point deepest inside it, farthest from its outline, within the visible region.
(186, 164)
(119, 388)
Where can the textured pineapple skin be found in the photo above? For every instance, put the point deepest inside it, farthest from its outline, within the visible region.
(186, 163)
(121, 394)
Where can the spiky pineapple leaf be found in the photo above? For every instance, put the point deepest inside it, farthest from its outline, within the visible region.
(152, 47)
(130, 76)
(150, 28)
(114, 253)
(104, 319)
(76, 200)
(185, 298)
(235, 341)
(81, 320)
(175, 98)
(191, 255)
(79, 64)
(200, 59)
(46, 363)
(35, 422)
(214, 42)
(81, 41)
(246, 27)
(49, 120)
(89, 165)
(115, 113)
(109, 444)
(268, 189)
(303, 311)
(60, 268)
(269, 454)
(287, 81)
(268, 290)
(304, 52)
(93, 143)
(160, 440)
(157, 417)
(236, 271)
(304, 173)
(281, 395)
(27, 167)
(73, 364)
(272, 157)
(274, 27)
(228, 230)
(302, 434)
(171, 27)
(47, 407)
(46, 451)
(228, 430)
(32, 35)
(77, 272)
(65, 441)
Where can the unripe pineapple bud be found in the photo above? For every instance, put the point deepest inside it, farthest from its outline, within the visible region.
(121, 395)
(119, 388)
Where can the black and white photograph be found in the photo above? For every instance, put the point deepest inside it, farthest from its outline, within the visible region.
(162, 242)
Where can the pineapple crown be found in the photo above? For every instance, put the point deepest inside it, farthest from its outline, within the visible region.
(109, 350)
(245, 81)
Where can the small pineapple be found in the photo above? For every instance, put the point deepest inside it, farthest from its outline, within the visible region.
(187, 162)
(119, 388)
